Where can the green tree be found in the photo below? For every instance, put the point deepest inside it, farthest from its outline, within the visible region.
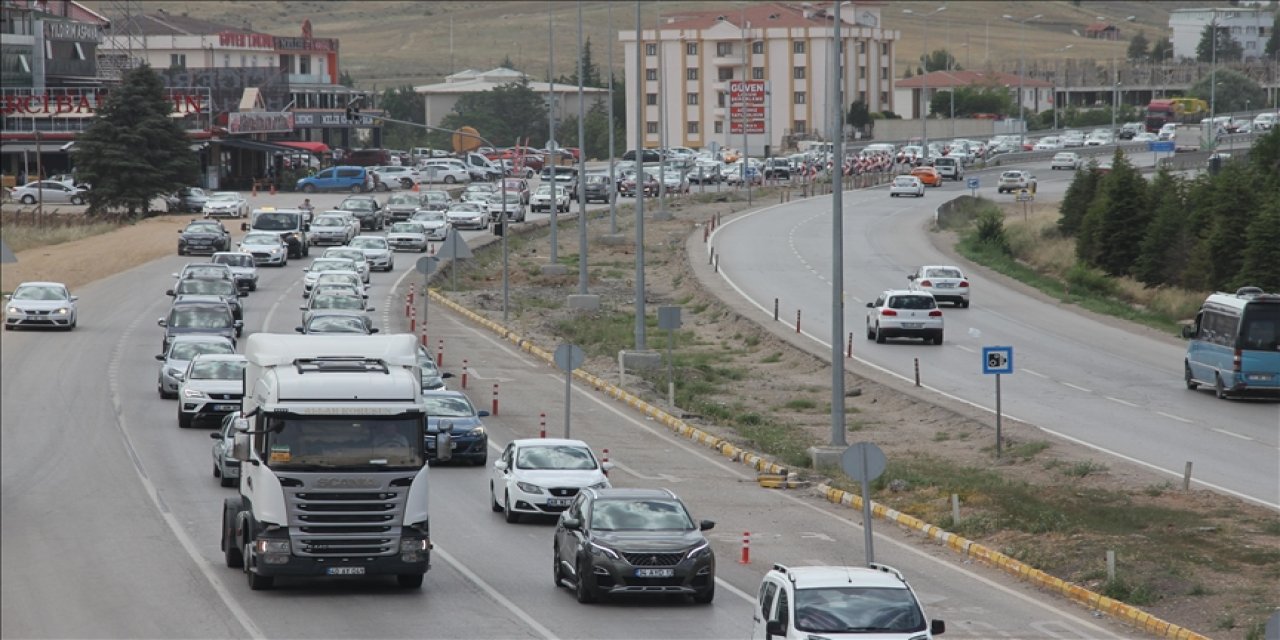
(972, 100)
(133, 151)
(859, 115)
(503, 115)
(596, 129)
(1228, 49)
(590, 70)
(1226, 208)
(1261, 267)
(403, 103)
(1077, 200)
(1235, 91)
(1138, 48)
(908, 73)
(1124, 220)
(939, 60)
(1161, 49)
(1167, 244)
(1264, 157)
(1273, 43)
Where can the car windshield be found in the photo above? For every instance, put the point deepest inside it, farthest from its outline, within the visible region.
(369, 243)
(336, 324)
(356, 205)
(234, 259)
(276, 221)
(436, 196)
(217, 370)
(429, 216)
(545, 190)
(204, 227)
(466, 207)
(338, 278)
(561, 457)
(328, 222)
(204, 286)
(448, 407)
(349, 254)
(846, 609)
(943, 273)
(189, 350)
(331, 264)
(406, 227)
(40, 292)
(403, 198)
(904, 182)
(205, 271)
(223, 196)
(338, 302)
(261, 238)
(912, 302)
(199, 318)
(639, 515)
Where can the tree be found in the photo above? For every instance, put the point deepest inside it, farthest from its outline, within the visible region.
(1236, 91)
(1273, 43)
(1075, 203)
(1123, 221)
(503, 115)
(1138, 48)
(859, 115)
(1167, 244)
(507, 63)
(1262, 250)
(1161, 49)
(1227, 206)
(1228, 49)
(972, 100)
(133, 151)
(590, 70)
(403, 103)
(596, 129)
(908, 73)
(939, 60)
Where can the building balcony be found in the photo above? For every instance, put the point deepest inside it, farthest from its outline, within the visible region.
(308, 78)
(732, 60)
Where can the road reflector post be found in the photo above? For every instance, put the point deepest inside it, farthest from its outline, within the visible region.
(797, 321)
(848, 350)
(542, 424)
(464, 373)
(495, 399)
(425, 341)
(1111, 565)
(604, 460)
(955, 510)
(1186, 477)
(775, 309)
(413, 320)
(746, 548)
(917, 371)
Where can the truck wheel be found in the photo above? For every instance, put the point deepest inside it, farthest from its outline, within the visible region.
(256, 582)
(410, 580)
(231, 545)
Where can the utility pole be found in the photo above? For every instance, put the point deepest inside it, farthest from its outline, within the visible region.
(837, 237)
(613, 188)
(551, 124)
(639, 161)
(582, 169)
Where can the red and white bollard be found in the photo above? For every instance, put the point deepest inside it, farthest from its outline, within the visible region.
(464, 373)
(410, 296)
(413, 320)
(495, 400)
(440, 354)
(425, 342)
(604, 461)
(408, 304)
(542, 425)
(746, 548)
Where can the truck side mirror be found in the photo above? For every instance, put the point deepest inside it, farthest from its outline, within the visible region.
(1189, 331)
(240, 447)
(937, 627)
(244, 226)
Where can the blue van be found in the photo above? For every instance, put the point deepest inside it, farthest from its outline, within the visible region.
(343, 178)
(1235, 344)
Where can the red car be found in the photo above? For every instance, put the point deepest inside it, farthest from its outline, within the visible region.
(628, 185)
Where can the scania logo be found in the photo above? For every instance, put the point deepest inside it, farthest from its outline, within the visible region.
(346, 483)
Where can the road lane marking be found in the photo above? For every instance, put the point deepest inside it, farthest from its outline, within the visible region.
(1034, 373)
(493, 593)
(1119, 401)
(1173, 417)
(1076, 387)
(266, 322)
(661, 477)
(1232, 434)
(964, 348)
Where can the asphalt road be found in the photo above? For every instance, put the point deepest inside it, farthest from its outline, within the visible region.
(110, 514)
(1116, 389)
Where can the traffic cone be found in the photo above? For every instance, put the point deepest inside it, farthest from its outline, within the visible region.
(415, 187)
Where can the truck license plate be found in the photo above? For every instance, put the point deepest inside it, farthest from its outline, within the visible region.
(346, 571)
(655, 573)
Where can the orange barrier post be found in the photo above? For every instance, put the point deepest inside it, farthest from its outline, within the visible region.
(440, 354)
(746, 548)
(464, 373)
(495, 400)
(413, 320)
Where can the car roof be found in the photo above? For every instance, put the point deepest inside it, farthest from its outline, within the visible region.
(905, 292)
(42, 284)
(198, 337)
(224, 357)
(812, 577)
(620, 493)
(540, 442)
(941, 266)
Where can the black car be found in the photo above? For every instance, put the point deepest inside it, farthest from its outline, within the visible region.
(186, 200)
(367, 210)
(222, 288)
(633, 541)
(199, 317)
(648, 156)
(599, 187)
(203, 236)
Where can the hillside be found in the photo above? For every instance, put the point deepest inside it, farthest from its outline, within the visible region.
(391, 43)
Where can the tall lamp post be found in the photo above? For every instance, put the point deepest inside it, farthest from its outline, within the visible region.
(924, 93)
(837, 231)
(1022, 74)
(1213, 83)
(1067, 91)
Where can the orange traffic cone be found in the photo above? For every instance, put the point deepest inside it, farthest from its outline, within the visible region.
(415, 188)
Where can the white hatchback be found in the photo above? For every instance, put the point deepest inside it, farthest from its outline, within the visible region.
(906, 186)
(945, 283)
(1068, 160)
(543, 476)
(904, 314)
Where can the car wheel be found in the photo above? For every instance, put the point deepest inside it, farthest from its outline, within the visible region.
(556, 574)
(166, 395)
(582, 590)
(181, 252)
(409, 580)
(706, 595)
(217, 473)
(493, 502)
(184, 420)
(871, 335)
(254, 286)
(230, 545)
(879, 335)
(77, 200)
(1186, 376)
(964, 304)
(507, 512)
(1219, 390)
(450, 179)
(227, 482)
(937, 340)
(28, 199)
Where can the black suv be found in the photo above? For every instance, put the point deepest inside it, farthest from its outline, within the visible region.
(618, 541)
(367, 210)
(203, 236)
(201, 317)
(222, 288)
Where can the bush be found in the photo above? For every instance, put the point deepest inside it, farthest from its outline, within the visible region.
(991, 230)
(1084, 278)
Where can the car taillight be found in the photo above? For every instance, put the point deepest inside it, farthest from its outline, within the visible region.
(926, 283)
(1236, 361)
(964, 284)
(888, 312)
(935, 314)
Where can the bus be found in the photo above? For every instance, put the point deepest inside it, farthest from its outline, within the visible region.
(1160, 112)
(1234, 344)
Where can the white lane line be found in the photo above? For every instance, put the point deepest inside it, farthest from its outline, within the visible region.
(1119, 401)
(1232, 434)
(1034, 373)
(736, 591)
(964, 348)
(493, 593)
(179, 533)
(266, 322)
(1076, 387)
(1173, 417)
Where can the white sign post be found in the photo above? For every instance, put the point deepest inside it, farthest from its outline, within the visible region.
(997, 361)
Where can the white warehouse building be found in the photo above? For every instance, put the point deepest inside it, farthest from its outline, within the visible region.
(691, 59)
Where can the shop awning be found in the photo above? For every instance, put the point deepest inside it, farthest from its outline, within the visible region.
(313, 147)
(254, 145)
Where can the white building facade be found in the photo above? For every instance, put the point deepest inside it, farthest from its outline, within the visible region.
(691, 59)
(441, 97)
(1250, 26)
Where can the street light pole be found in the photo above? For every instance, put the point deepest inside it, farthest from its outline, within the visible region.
(639, 162)
(924, 93)
(613, 188)
(1022, 74)
(1213, 84)
(551, 125)
(1067, 89)
(837, 236)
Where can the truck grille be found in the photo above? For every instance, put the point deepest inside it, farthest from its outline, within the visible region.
(364, 520)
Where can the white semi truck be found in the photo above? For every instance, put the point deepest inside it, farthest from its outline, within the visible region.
(333, 461)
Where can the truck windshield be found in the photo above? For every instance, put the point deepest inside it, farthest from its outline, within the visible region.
(276, 221)
(306, 443)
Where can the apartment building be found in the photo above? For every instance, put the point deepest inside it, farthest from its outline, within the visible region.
(1250, 26)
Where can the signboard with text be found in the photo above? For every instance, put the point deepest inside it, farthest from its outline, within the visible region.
(259, 122)
(746, 106)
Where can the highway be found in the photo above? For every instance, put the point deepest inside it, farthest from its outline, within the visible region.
(1116, 389)
(110, 517)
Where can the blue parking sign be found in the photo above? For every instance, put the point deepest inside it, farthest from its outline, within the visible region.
(972, 183)
(997, 360)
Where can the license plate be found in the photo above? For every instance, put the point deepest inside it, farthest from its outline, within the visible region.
(945, 285)
(225, 407)
(346, 571)
(559, 502)
(912, 325)
(655, 573)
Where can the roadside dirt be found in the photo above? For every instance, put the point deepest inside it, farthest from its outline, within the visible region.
(1205, 562)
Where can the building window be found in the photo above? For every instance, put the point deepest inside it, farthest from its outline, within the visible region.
(242, 61)
(304, 65)
(691, 127)
(177, 61)
(726, 73)
(884, 48)
(724, 49)
(650, 74)
(797, 47)
(650, 127)
(719, 127)
(651, 99)
(691, 73)
(720, 98)
(757, 73)
(691, 48)
(799, 126)
(884, 98)
(798, 97)
(26, 64)
(226, 60)
(884, 72)
(691, 99)
(254, 59)
(651, 49)
(862, 71)
(757, 46)
(797, 73)
(862, 97)
(862, 46)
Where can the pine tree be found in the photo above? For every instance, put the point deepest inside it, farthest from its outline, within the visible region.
(1161, 49)
(1261, 267)
(1087, 244)
(1228, 207)
(1124, 220)
(1080, 194)
(1166, 246)
(133, 151)
(1138, 47)
(1229, 50)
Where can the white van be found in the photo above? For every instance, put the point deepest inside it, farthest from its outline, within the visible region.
(795, 603)
(949, 167)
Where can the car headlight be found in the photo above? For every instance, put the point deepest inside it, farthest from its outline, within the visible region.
(275, 250)
(599, 548)
(476, 432)
(62, 311)
(529, 488)
(192, 393)
(600, 485)
(700, 550)
(14, 310)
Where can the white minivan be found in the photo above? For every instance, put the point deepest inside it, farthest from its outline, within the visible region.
(839, 603)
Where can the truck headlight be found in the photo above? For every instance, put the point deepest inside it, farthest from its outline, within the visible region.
(529, 488)
(272, 546)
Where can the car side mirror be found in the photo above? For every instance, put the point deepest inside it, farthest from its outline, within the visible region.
(937, 627)
(75, 298)
(500, 465)
(299, 329)
(373, 331)
(169, 292)
(911, 277)
(238, 324)
(775, 628)
(179, 231)
(162, 322)
(705, 525)
(871, 305)
(446, 374)
(160, 357)
(607, 466)
(1189, 331)
(179, 376)
(482, 414)
(572, 524)
(370, 309)
(216, 435)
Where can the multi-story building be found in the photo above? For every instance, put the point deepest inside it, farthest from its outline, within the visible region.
(696, 63)
(562, 99)
(1250, 26)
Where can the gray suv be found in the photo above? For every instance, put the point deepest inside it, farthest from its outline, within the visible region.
(641, 541)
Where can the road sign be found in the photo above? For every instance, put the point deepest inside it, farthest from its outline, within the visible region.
(427, 264)
(1157, 146)
(863, 456)
(569, 357)
(753, 126)
(749, 111)
(1025, 196)
(972, 183)
(997, 360)
(746, 106)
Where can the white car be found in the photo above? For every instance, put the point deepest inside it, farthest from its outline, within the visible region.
(1098, 138)
(48, 192)
(1015, 180)
(543, 475)
(906, 186)
(376, 251)
(468, 215)
(407, 236)
(544, 200)
(243, 268)
(904, 314)
(344, 279)
(394, 177)
(266, 247)
(435, 223)
(1072, 138)
(329, 229)
(322, 265)
(1050, 143)
(1068, 160)
(1145, 136)
(354, 255)
(1265, 121)
(40, 304)
(511, 204)
(945, 283)
(446, 171)
(211, 387)
(226, 204)
(833, 602)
